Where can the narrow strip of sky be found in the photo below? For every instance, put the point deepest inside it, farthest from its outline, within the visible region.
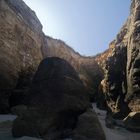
(88, 26)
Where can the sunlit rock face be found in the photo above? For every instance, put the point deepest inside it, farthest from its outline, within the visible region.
(23, 45)
(21, 42)
(133, 57)
(116, 78)
(111, 78)
(121, 83)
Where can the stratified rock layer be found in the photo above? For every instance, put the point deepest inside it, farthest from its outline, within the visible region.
(23, 46)
(21, 42)
(20, 45)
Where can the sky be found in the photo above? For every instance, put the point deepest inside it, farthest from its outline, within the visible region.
(88, 26)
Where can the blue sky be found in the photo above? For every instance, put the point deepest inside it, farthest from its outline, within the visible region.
(88, 26)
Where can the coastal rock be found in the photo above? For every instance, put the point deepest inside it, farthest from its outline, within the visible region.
(114, 83)
(20, 48)
(133, 57)
(87, 67)
(20, 45)
(112, 78)
(56, 98)
(132, 121)
(121, 67)
(88, 127)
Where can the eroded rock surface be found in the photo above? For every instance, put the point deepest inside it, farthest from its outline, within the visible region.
(133, 57)
(56, 99)
(121, 68)
(22, 47)
(88, 127)
(132, 121)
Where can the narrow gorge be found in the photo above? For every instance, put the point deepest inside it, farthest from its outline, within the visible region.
(51, 88)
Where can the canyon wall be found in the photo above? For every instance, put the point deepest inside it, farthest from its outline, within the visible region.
(121, 83)
(111, 78)
(133, 58)
(21, 42)
(114, 84)
(22, 47)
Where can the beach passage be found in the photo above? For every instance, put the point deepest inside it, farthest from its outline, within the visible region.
(117, 133)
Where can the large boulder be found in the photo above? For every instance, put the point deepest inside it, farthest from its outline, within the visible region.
(88, 127)
(87, 67)
(56, 98)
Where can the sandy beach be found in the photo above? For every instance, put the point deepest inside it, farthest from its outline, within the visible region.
(111, 134)
(118, 133)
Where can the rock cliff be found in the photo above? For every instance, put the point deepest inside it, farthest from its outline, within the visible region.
(121, 81)
(133, 57)
(87, 67)
(21, 42)
(111, 78)
(61, 87)
(23, 45)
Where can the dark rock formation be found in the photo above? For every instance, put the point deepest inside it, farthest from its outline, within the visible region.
(88, 127)
(113, 87)
(121, 83)
(26, 14)
(56, 98)
(115, 79)
(87, 67)
(132, 121)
